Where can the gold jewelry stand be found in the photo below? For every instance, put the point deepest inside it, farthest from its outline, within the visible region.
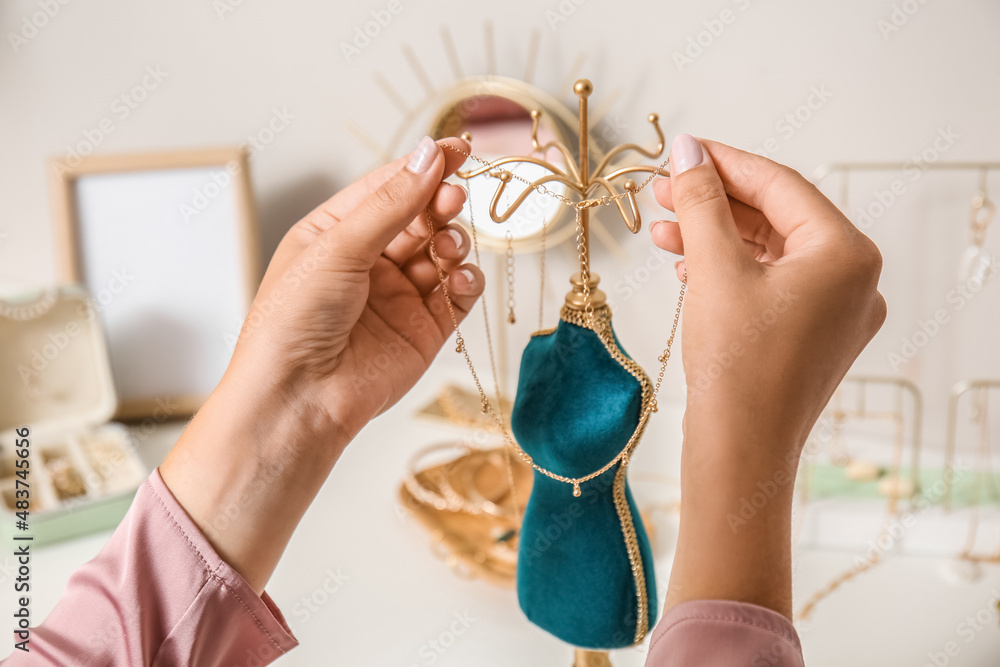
(579, 178)
(584, 296)
(585, 658)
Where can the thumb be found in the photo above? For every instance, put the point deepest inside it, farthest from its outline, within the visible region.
(703, 213)
(366, 231)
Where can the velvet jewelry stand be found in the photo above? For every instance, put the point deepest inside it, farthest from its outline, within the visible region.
(576, 409)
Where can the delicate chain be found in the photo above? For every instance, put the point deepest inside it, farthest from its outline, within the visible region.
(486, 312)
(493, 364)
(581, 249)
(590, 320)
(509, 269)
(542, 189)
(541, 279)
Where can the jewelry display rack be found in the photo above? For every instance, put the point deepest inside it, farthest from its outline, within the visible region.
(825, 171)
(983, 478)
(861, 412)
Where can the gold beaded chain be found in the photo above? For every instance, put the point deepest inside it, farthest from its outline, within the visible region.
(596, 324)
(509, 464)
(509, 269)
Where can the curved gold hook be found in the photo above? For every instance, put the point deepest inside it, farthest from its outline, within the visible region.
(506, 177)
(618, 150)
(536, 119)
(633, 221)
(508, 160)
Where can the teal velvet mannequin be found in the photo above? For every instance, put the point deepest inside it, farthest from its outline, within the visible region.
(576, 408)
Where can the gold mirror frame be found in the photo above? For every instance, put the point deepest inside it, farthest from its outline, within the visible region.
(556, 115)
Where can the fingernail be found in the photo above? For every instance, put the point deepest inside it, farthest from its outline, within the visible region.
(422, 156)
(470, 277)
(456, 236)
(685, 153)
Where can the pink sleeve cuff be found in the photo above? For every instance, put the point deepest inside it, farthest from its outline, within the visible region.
(722, 633)
(159, 594)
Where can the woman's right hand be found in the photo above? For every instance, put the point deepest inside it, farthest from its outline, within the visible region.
(782, 289)
(782, 298)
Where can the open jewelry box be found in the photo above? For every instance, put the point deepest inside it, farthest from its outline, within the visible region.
(55, 379)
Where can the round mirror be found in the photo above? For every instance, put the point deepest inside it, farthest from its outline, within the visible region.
(497, 113)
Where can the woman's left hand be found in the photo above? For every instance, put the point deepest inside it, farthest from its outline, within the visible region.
(349, 316)
(351, 313)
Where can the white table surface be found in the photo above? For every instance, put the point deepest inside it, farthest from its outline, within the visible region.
(397, 597)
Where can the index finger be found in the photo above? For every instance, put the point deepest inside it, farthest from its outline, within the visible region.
(345, 201)
(330, 212)
(783, 195)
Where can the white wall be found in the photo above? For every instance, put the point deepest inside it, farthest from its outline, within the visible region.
(227, 72)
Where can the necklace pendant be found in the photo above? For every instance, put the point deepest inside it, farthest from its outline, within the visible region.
(576, 490)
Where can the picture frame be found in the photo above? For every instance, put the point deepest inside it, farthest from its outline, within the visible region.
(167, 245)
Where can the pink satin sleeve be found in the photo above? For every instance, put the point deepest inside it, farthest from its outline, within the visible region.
(158, 594)
(722, 633)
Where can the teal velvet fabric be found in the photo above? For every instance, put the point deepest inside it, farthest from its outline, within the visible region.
(575, 409)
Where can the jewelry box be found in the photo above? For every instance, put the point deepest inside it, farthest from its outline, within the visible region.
(55, 379)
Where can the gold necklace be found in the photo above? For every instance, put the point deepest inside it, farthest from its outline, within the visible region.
(590, 320)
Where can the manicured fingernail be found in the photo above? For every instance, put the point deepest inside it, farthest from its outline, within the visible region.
(422, 156)
(456, 236)
(685, 153)
(469, 276)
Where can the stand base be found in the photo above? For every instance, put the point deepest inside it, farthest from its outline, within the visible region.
(584, 658)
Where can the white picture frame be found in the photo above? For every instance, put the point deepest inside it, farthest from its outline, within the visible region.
(167, 244)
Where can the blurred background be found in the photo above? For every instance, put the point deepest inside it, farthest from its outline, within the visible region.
(317, 94)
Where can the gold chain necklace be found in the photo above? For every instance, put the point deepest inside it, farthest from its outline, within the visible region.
(590, 320)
